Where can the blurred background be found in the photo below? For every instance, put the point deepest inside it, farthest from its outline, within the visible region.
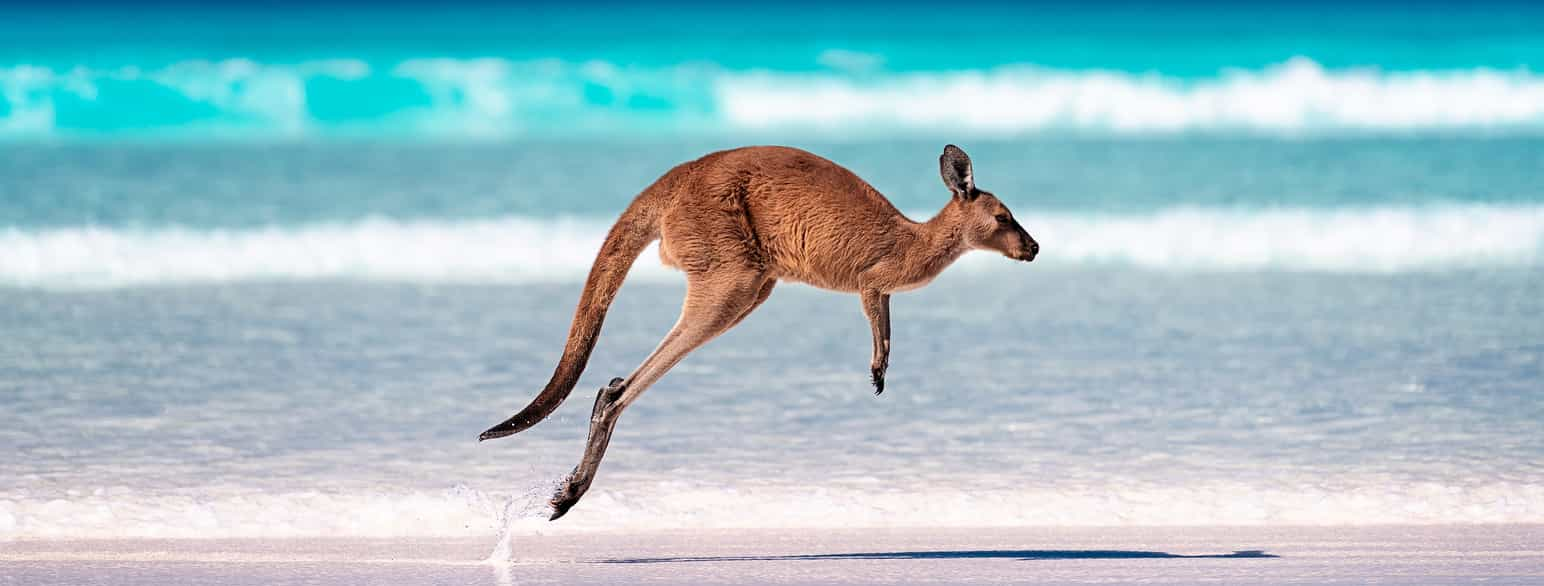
(267, 269)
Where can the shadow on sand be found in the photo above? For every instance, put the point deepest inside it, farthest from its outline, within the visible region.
(1023, 554)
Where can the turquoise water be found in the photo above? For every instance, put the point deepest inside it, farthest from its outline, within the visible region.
(249, 186)
(267, 272)
(111, 214)
(839, 70)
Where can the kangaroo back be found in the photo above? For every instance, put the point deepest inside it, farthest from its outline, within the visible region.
(637, 227)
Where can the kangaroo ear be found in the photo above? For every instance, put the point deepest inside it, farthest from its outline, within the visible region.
(954, 166)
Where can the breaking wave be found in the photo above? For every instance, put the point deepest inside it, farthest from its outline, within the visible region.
(518, 250)
(462, 511)
(501, 98)
(1298, 96)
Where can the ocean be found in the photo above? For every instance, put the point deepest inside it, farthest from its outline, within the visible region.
(268, 273)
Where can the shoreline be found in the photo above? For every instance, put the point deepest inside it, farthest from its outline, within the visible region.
(1397, 554)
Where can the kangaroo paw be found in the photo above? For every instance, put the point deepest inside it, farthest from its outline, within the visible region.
(564, 499)
(878, 379)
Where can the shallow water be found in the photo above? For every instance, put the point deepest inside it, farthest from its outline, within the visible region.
(243, 339)
(1016, 396)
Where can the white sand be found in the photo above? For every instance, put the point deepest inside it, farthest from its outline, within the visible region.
(1498, 554)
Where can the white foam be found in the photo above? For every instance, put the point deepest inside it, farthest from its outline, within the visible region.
(519, 250)
(507, 250)
(1295, 96)
(465, 512)
(1342, 240)
(853, 96)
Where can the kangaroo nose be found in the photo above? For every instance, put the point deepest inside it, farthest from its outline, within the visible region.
(1030, 251)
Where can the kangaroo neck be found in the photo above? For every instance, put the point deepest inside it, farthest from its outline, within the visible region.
(938, 243)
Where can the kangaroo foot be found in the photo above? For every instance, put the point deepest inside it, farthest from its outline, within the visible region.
(602, 417)
(566, 497)
(878, 379)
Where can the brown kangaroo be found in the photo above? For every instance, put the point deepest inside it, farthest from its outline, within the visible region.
(738, 221)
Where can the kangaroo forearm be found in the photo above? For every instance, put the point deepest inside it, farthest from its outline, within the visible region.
(876, 306)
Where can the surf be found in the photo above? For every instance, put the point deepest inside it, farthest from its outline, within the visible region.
(517, 249)
(493, 98)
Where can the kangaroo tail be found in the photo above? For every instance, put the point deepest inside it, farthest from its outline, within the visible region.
(637, 227)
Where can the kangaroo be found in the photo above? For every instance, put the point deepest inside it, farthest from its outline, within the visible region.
(737, 222)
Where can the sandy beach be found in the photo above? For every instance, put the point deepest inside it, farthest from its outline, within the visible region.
(1495, 554)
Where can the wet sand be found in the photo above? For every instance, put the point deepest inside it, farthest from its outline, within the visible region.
(1498, 554)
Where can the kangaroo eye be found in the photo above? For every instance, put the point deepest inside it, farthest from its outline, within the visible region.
(1002, 218)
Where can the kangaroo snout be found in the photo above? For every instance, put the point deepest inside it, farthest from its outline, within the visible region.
(1027, 254)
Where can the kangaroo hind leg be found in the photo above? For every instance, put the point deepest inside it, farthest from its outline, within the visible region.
(713, 305)
(761, 297)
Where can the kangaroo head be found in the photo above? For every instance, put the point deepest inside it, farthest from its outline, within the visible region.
(986, 223)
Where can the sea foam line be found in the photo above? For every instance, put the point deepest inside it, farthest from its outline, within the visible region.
(465, 512)
(500, 98)
(522, 250)
(1292, 97)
